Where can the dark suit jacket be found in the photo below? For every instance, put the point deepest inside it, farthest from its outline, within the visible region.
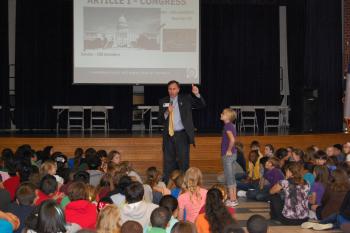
(186, 104)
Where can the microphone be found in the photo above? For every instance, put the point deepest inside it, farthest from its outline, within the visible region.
(171, 102)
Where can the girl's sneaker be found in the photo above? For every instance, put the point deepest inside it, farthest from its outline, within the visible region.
(322, 227)
(308, 225)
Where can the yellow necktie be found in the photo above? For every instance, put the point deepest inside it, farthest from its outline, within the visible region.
(171, 124)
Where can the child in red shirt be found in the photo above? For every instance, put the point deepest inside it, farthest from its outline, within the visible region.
(12, 183)
(80, 211)
(48, 190)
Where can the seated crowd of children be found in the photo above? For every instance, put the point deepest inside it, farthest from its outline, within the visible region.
(95, 191)
(310, 188)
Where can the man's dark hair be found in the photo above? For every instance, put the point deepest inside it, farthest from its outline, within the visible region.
(169, 202)
(174, 82)
(160, 217)
(25, 194)
(48, 184)
(134, 192)
(131, 227)
(257, 224)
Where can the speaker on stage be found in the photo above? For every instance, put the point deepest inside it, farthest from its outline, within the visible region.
(310, 110)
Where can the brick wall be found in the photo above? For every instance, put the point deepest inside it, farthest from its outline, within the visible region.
(346, 33)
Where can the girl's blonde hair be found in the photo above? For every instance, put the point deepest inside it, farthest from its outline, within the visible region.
(108, 220)
(192, 182)
(47, 166)
(232, 115)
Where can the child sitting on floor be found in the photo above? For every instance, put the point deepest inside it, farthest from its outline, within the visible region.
(114, 156)
(321, 179)
(252, 181)
(223, 191)
(130, 171)
(257, 224)
(194, 197)
(172, 205)
(216, 215)
(48, 189)
(24, 204)
(50, 167)
(159, 219)
(179, 182)
(336, 220)
(173, 175)
(272, 176)
(294, 209)
(320, 158)
(333, 196)
(154, 181)
(269, 150)
(80, 211)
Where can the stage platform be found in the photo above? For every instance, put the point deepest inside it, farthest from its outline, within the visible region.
(146, 150)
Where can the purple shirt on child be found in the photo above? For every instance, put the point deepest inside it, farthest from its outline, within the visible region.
(273, 176)
(225, 141)
(319, 189)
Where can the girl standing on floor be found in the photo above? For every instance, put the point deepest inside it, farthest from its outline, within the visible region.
(229, 155)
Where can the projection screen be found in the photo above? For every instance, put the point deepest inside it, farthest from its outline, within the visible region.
(136, 41)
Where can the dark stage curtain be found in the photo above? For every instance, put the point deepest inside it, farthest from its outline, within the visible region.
(239, 59)
(44, 68)
(4, 66)
(315, 60)
(239, 62)
(296, 49)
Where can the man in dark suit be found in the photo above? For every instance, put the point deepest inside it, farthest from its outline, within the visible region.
(175, 113)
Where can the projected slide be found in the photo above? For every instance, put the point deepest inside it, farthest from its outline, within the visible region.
(136, 41)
